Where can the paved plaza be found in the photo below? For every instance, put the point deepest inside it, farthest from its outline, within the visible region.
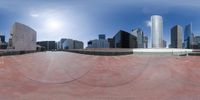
(71, 76)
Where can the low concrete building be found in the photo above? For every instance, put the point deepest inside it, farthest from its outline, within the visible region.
(72, 44)
(102, 42)
(23, 38)
(98, 44)
(68, 44)
(78, 44)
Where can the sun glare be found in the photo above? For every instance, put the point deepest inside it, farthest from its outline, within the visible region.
(53, 24)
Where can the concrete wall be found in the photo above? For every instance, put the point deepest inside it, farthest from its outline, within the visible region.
(23, 37)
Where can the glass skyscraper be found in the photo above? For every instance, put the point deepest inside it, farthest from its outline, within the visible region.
(188, 36)
(140, 37)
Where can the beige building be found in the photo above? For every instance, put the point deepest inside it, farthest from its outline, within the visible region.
(23, 38)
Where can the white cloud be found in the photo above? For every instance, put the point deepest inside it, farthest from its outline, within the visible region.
(34, 15)
(148, 23)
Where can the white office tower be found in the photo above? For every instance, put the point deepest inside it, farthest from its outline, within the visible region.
(157, 31)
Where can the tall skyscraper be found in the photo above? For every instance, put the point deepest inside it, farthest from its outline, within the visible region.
(176, 37)
(188, 36)
(157, 31)
(140, 37)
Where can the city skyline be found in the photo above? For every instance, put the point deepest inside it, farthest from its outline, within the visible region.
(78, 20)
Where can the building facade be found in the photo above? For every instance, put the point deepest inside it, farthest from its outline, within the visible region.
(3, 44)
(98, 44)
(124, 39)
(68, 44)
(111, 43)
(157, 31)
(196, 44)
(23, 38)
(47, 45)
(78, 44)
(102, 42)
(176, 36)
(72, 44)
(140, 37)
(164, 44)
(145, 42)
(60, 45)
(2, 39)
(102, 36)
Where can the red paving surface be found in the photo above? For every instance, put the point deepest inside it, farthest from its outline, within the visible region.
(69, 76)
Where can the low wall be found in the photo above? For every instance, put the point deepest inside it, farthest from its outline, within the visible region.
(117, 51)
(103, 52)
(7, 52)
(152, 51)
(163, 51)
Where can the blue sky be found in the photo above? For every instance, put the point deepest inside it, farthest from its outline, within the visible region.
(85, 19)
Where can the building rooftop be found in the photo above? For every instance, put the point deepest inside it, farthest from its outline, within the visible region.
(71, 76)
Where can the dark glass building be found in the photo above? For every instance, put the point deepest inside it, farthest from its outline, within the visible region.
(102, 36)
(124, 39)
(47, 45)
(2, 37)
(176, 37)
(3, 44)
(187, 36)
(111, 43)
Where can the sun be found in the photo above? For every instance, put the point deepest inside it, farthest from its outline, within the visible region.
(53, 24)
